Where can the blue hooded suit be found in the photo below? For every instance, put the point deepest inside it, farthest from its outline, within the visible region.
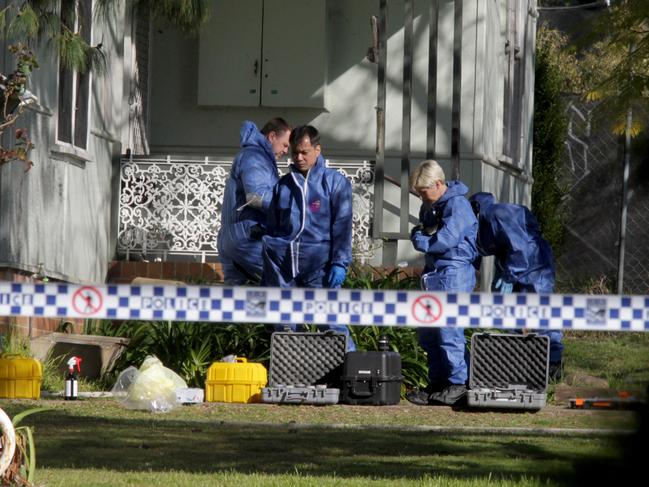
(450, 252)
(253, 173)
(309, 230)
(523, 257)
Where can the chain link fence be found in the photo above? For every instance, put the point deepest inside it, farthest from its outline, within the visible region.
(593, 172)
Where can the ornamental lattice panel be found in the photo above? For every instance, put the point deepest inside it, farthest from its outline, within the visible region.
(171, 207)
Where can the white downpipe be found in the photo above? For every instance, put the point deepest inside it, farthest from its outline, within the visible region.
(8, 442)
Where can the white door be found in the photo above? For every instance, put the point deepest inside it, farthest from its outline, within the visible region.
(294, 55)
(229, 72)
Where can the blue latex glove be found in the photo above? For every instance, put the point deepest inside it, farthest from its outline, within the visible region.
(504, 287)
(336, 276)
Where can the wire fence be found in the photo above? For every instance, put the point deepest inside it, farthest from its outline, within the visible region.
(593, 176)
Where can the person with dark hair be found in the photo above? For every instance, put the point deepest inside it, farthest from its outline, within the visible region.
(309, 238)
(446, 235)
(524, 260)
(246, 198)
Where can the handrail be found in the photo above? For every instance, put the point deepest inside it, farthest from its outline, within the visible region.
(398, 183)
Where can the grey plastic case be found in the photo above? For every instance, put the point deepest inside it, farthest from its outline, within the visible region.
(306, 358)
(282, 394)
(508, 371)
(305, 368)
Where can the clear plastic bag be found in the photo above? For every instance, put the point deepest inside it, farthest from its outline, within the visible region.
(124, 381)
(152, 387)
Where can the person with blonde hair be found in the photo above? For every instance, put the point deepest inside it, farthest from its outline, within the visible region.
(447, 235)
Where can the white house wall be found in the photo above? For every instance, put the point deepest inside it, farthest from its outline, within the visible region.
(348, 124)
(58, 214)
(180, 125)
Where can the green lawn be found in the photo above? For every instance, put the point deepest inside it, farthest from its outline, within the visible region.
(620, 358)
(79, 444)
(99, 443)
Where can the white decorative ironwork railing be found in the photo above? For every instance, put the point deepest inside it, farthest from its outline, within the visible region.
(172, 206)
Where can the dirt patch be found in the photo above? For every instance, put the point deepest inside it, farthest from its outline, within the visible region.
(578, 379)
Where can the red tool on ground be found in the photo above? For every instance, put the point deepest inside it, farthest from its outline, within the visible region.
(623, 401)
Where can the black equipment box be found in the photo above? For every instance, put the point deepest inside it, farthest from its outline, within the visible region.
(508, 371)
(299, 361)
(371, 378)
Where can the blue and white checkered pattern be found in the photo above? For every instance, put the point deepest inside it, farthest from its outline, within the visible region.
(326, 306)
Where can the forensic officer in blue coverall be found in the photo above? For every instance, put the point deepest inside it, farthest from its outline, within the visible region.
(524, 260)
(247, 195)
(309, 240)
(446, 234)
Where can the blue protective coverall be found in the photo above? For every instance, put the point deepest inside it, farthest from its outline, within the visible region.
(450, 253)
(309, 230)
(523, 257)
(253, 172)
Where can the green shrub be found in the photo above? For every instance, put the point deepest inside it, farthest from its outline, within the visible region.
(550, 126)
(52, 379)
(187, 348)
(12, 343)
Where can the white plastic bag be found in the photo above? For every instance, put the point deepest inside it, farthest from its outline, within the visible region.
(152, 387)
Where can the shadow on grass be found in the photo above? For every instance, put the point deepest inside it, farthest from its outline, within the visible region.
(82, 442)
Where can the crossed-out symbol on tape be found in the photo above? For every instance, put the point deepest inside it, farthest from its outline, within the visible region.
(87, 300)
(426, 309)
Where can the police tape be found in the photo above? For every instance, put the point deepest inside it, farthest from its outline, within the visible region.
(326, 306)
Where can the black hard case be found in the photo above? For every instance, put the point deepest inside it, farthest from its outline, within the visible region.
(306, 359)
(508, 371)
(371, 378)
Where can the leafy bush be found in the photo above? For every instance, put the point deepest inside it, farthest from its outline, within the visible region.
(550, 128)
(12, 343)
(187, 348)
